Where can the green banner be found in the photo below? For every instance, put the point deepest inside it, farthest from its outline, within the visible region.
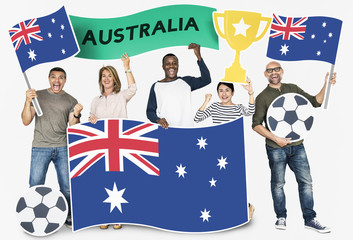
(175, 25)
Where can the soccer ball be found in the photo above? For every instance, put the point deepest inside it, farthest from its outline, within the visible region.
(41, 210)
(291, 116)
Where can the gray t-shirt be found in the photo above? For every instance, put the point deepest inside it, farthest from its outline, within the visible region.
(50, 129)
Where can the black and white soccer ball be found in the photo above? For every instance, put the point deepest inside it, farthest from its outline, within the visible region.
(290, 115)
(41, 210)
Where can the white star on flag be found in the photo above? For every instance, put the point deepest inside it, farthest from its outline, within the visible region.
(202, 143)
(240, 28)
(181, 170)
(115, 198)
(213, 182)
(32, 55)
(284, 49)
(205, 215)
(222, 163)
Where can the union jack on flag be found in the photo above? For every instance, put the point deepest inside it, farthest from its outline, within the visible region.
(44, 39)
(304, 38)
(111, 140)
(24, 32)
(132, 172)
(288, 27)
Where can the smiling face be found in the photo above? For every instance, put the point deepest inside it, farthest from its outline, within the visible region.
(274, 73)
(225, 93)
(57, 80)
(107, 80)
(170, 67)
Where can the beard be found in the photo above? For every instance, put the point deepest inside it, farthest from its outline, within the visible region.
(274, 78)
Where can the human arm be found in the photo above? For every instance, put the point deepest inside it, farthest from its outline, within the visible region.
(260, 129)
(207, 100)
(259, 117)
(28, 111)
(162, 122)
(321, 95)
(248, 87)
(131, 90)
(93, 119)
(151, 110)
(202, 114)
(126, 62)
(197, 50)
(74, 117)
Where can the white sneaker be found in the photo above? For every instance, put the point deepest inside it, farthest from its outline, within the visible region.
(281, 223)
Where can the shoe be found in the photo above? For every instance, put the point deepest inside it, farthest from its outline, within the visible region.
(68, 222)
(117, 226)
(315, 225)
(251, 211)
(281, 223)
(103, 226)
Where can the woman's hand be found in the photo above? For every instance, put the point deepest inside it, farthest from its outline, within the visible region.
(126, 60)
(93, 119)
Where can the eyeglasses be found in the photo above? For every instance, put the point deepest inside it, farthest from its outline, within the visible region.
(270, 70)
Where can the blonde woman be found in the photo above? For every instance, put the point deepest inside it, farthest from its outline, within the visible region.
(112, 102)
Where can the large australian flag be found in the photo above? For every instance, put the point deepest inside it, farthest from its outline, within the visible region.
(131, 172)
(304, 38)
(44, 39)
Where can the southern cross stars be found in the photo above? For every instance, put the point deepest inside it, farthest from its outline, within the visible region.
(202, 143)
(222, 163)
(115, 198)
(213, 182)
(205, 215)
(181, 170)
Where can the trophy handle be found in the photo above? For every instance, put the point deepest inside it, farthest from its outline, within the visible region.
(268, 20)
(215, 20)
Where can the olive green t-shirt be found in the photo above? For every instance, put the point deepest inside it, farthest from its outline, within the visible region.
(50, 128)
(264, 100)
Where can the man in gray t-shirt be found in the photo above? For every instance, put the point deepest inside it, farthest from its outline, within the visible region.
(49, 141)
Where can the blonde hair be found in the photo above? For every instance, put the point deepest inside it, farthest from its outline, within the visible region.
(113, 72)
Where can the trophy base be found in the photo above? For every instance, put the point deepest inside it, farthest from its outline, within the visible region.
(235, 75)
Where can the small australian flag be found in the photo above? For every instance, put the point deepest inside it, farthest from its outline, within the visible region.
(45, 39)
(304, 38)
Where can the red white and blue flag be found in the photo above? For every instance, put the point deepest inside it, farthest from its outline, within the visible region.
(304, 38)
(131, 172)
(114, 144)
(44, 39)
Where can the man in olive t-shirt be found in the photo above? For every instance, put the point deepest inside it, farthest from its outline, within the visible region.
(281, 151)
(49, 141)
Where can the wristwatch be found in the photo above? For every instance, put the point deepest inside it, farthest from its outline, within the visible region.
(77, 116)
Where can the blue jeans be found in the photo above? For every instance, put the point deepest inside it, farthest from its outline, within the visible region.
(40, 160)
(297, 161)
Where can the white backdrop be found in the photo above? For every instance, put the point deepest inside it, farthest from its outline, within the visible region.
(327, 145)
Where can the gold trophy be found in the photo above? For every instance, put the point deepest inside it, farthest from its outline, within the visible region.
(240, 31)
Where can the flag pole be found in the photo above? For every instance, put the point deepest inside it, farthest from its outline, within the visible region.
(35, 100)
(328, 90)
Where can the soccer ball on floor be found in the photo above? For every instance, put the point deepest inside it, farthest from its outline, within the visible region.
(41, 210)
(291, 116)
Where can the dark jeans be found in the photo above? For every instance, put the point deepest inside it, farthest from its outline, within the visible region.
(297, 161)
